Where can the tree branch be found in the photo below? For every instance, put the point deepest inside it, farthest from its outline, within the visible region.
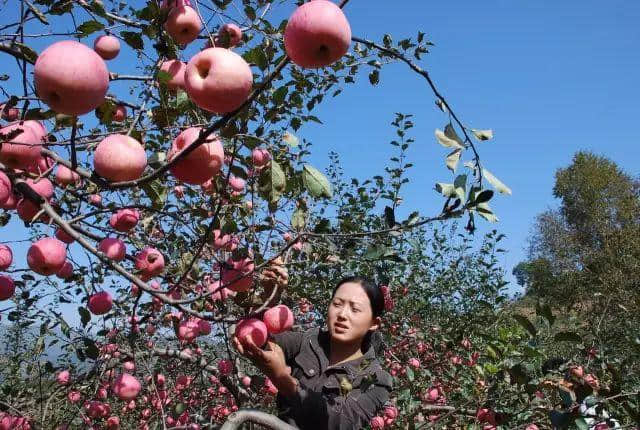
(237, 419)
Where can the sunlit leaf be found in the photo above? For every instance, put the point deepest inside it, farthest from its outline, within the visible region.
(446, 141)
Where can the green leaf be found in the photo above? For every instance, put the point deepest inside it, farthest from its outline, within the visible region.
(374, 77)
(315, 182)
(157, 159)
(410, 374)
(279, 95)
(581, 423)
(484, 196)
(27, 53)
(85, 316)
(91, 349)
(567, 336)
(182, 100)
(272, 183)
(89, 27)
(132, 39)
(545, 311)
(389, 216)
(257, 56)
(163, 77)
(38, 115)
(98, 8)
(156, 192)
(567, 396)
(526, 324)
(299, 219)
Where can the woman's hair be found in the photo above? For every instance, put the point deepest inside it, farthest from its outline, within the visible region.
(373, 291)
(373, 339)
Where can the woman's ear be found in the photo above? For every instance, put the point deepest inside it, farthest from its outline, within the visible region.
(375, 324)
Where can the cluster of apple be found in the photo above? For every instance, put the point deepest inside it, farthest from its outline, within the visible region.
(73, 80)
(275, 320)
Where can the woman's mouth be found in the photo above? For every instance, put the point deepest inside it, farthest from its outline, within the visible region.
(340, 328)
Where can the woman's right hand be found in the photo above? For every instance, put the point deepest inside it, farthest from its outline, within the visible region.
(271, 361)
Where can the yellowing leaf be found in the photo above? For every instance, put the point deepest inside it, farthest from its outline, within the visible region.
(483, 134)
(446, 141)
(497, 184)
(453, 158)
(290, 139)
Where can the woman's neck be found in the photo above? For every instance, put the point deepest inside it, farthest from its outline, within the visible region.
(341, 352)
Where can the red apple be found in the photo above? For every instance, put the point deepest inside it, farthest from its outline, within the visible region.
(183, 24)
(66, 271)
(150, 262)
(66, 176)
(26, 208)
(100, 303)
(317, 34)
(108, 47)
(174, 3)
(71, 78)
(229, 35)
(113, 248)
(63, 377)
(260, 157)
(126, 387)
(240, 276)
(9, 113)
(278, 319)
(119, 114)
(46, 256)
(218, 80)
(201, 164)
(119, 158)
(253, 329)
(6, 257)
(63, 236)
(124, 219)
(188, 330)
(41, 132)
(5, 187)
(21, 150)
(176, 69)
(7, 288)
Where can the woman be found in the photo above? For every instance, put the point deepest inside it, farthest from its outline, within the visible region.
(329, 379)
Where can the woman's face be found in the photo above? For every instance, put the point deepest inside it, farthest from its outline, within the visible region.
(350, 316)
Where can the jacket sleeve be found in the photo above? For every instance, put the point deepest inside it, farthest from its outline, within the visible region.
(343, 412)
(290, 342)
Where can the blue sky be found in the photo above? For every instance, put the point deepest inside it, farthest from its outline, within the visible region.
(550, 78)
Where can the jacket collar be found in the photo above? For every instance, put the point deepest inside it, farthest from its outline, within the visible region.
(320, 344)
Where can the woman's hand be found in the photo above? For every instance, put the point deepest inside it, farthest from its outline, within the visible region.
(275, 274)
(271, 361)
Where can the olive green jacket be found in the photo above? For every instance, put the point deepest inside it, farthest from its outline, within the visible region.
(345, 396)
